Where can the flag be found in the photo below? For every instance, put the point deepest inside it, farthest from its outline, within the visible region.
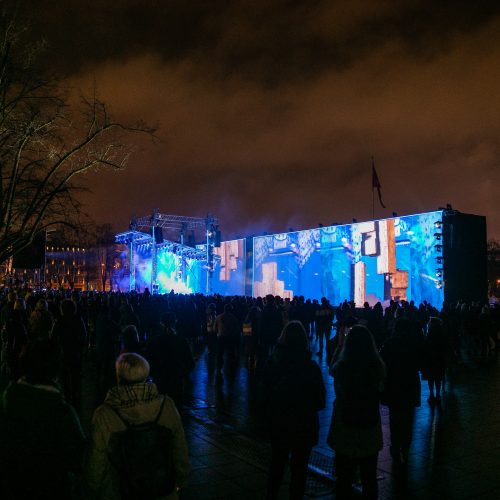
(376, 184)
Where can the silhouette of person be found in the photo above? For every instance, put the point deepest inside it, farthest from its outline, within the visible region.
(355, 430)
(402, 355)
(170, 358)
(292, 393)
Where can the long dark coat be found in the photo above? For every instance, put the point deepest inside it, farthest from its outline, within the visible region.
(403, 360)
(292, 393)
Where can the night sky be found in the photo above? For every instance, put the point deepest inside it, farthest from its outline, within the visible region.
(269, 111)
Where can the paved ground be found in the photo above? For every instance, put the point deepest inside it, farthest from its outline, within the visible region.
(455, 452)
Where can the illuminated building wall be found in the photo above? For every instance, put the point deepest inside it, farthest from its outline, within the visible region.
(370, 261)
(95, 268)
(429, 256)
(229, 273)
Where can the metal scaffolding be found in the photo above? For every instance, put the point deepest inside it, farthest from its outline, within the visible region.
(178, 225)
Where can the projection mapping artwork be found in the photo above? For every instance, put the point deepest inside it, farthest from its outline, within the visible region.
(229, 273)
(186, 275)
(371, 261)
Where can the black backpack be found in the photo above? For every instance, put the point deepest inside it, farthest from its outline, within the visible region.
(142, 456)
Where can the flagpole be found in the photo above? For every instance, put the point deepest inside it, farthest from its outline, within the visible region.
(373, 203)
(373, 193)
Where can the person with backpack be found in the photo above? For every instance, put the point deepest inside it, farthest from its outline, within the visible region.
(138, 449)
(292, 393)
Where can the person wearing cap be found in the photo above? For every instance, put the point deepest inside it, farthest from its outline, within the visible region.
(137, 401)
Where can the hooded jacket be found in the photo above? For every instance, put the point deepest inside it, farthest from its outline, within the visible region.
(41, 442)
(137, 404)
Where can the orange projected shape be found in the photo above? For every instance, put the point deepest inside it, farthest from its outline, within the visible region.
(399, 285)
(229, 253)
(359, 283)
(386, 261)
(270, 283)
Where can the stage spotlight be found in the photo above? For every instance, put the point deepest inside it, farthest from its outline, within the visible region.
(292, 245)
(394, 214)
(217, 238)
(439, 284)
(439, 272)
(438, 224)
(438, 236)
(354, 221)
(439, 248)
(439, 259)
(318, 244)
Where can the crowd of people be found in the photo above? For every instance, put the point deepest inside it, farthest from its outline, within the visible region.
(142, 349)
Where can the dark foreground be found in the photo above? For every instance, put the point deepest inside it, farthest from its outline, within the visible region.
(455, 452)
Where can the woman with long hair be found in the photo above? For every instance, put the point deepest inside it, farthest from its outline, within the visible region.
(292, 394)
(355, 430)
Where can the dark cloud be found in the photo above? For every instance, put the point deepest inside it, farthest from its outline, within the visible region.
(268, 41)
(270, 111)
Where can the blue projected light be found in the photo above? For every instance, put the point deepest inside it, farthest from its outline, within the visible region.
(143, 267)
(369, 261)
(173, 272)
(229, 273)
(178, 273)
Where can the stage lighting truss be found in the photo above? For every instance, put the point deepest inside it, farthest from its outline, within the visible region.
(183, 250)
(137, 237)
(180, 223)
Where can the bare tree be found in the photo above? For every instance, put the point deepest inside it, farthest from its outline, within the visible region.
(46, 142)
(104, 249)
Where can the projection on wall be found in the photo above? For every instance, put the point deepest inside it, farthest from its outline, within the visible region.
(229, 273)
(371, 261)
